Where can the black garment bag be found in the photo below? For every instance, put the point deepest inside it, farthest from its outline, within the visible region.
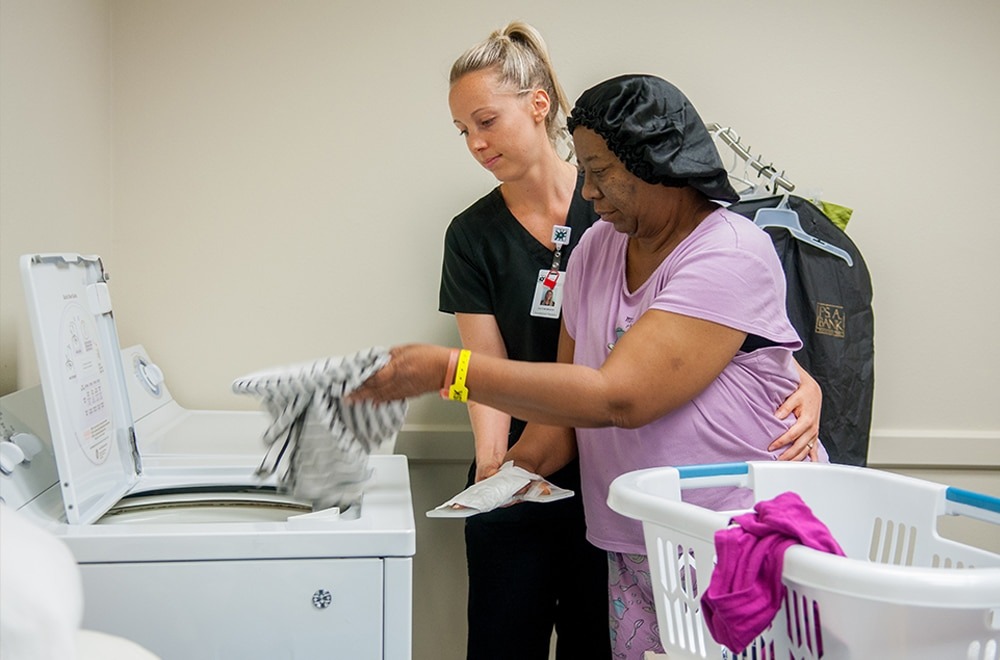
(830, 305)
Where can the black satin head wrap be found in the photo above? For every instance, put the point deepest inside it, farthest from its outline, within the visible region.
(655, 131)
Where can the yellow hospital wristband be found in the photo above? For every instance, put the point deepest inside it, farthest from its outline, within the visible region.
(458, 391)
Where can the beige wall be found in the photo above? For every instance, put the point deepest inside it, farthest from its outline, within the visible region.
(284, 171)
(55, 151)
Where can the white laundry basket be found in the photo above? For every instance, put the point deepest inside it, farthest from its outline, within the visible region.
(902, 591)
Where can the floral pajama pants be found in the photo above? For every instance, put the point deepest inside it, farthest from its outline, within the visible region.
(632, 616)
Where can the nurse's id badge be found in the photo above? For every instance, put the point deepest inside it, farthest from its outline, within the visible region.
(547, 302)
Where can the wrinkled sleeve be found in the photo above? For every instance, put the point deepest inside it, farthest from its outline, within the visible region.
(731, 287)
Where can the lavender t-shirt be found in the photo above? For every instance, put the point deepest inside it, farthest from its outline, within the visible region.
(726, 272)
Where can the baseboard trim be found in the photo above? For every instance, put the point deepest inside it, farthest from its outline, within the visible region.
(891, 448)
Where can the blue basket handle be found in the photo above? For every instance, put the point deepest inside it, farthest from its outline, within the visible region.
(712, 470)
(714, 474)
(986, 507)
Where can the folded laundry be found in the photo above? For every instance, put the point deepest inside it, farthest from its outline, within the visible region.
(317, 443)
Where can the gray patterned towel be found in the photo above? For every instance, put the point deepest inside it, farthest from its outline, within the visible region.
(317, 444)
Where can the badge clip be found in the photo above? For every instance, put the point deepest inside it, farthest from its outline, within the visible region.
(560, 235)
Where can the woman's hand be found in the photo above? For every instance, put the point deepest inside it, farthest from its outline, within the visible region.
(803, 436)
(486, 470)
(413, 369)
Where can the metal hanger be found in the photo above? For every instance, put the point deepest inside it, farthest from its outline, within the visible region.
(731, 139)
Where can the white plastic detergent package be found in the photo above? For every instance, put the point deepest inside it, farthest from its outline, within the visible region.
(502, 489)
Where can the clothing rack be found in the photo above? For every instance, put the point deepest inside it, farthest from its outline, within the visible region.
(731, 139)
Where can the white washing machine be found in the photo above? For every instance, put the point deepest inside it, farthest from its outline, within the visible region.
(181, 547)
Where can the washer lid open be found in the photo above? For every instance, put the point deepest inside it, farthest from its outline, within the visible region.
(79, 363)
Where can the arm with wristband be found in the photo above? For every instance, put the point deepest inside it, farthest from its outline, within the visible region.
(542, 449)
(671, 354)
(454, 380)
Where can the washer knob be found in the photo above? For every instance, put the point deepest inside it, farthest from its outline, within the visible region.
(29, 444)
(150, 375)
(10, 456)
(153, 374)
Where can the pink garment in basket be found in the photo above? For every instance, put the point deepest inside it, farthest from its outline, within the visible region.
(746, 591)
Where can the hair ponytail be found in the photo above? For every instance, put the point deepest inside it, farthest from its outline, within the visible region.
(521, 59)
